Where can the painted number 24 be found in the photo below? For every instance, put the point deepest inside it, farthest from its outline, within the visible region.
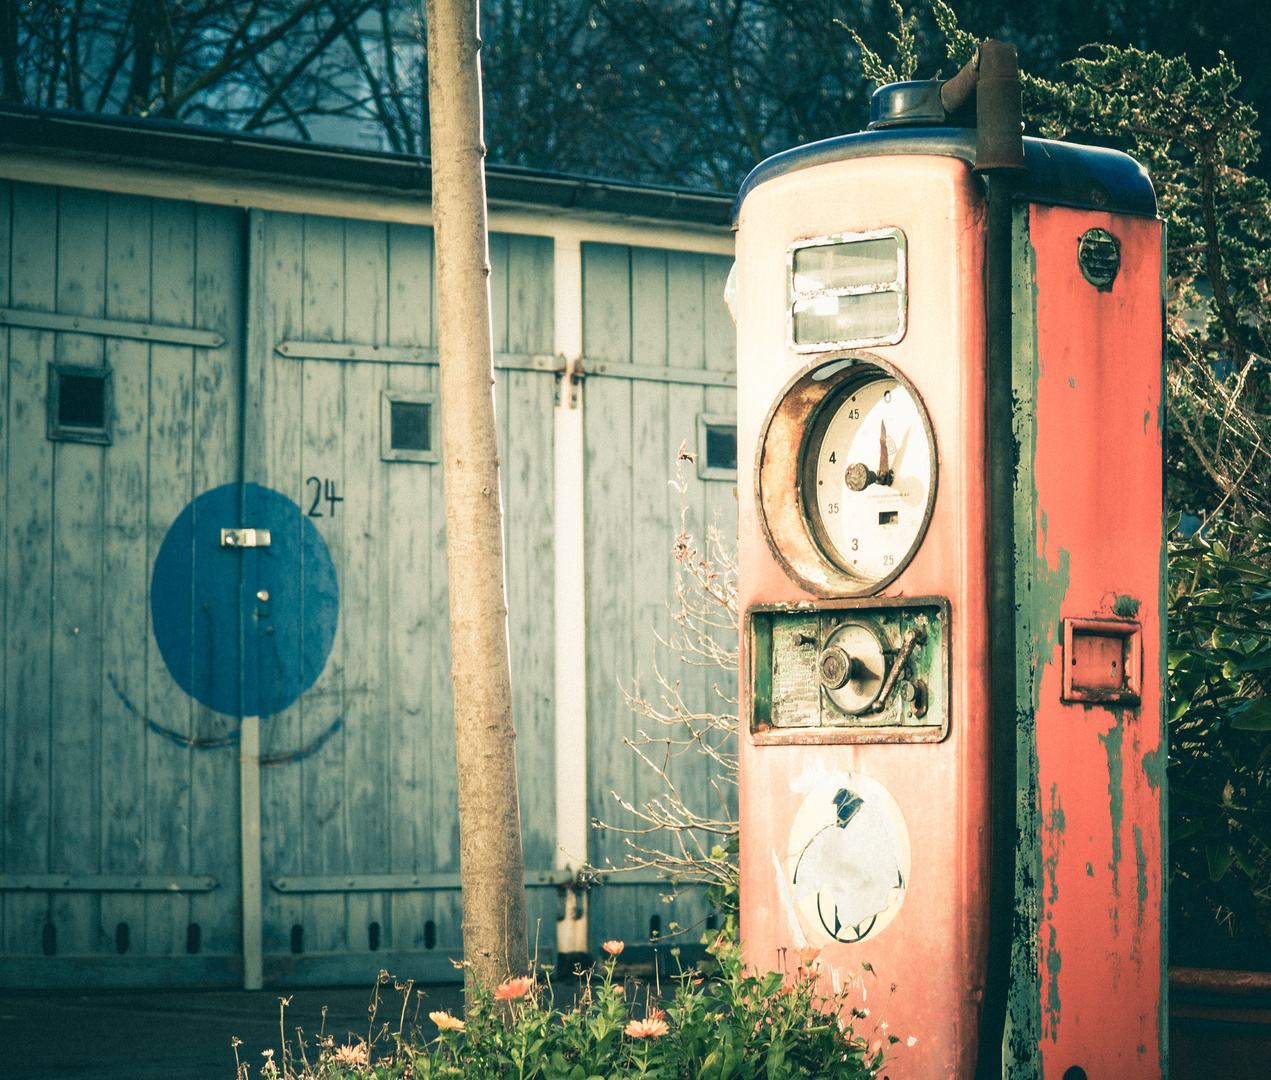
(323, 489)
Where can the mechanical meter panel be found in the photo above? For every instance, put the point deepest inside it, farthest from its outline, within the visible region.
(866, 780)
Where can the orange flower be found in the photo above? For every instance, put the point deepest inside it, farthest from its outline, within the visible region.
(657, 1014)
(445, 1021)
(353, 1055)
(649, 1028)
(514, 988)
(806, 955)
(613, 948)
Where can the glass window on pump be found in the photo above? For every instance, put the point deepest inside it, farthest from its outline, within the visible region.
(847, 290)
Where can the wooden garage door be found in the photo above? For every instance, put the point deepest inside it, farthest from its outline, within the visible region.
(120, 854)
(659, 338)
(360, 823)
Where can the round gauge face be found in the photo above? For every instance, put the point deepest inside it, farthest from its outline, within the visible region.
(869, 478)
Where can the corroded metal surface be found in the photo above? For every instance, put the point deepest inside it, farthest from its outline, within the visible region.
(908, 816)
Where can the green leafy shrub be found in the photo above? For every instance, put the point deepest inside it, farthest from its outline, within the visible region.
(730, 1024)
(1220, 747)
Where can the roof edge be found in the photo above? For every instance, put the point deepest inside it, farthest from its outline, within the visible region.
(123, 139)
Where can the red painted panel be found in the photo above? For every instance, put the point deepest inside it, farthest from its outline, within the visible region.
(1097, 470)
(933, 948)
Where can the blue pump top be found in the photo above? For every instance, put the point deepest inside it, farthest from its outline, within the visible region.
(906, 119)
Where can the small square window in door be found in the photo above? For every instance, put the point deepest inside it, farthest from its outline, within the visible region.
(408, 426)
(716, 447)
(80, 404)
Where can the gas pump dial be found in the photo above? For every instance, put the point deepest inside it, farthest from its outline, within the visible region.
(846, 474)
(869, 520)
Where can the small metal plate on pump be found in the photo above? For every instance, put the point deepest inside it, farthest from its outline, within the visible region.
(863, 671)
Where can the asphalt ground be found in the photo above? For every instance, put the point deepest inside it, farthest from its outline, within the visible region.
(187, 1034)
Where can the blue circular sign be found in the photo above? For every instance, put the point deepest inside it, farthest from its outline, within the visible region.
(245, 628)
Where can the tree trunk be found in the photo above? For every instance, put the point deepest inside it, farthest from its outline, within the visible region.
(491, 863)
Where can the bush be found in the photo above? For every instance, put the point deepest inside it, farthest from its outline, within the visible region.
(1220, 748)
(729, 1025)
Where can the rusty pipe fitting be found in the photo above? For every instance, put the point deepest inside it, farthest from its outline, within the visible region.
(957, 91)
(999, 110)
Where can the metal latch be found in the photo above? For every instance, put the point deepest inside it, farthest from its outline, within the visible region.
(244, 538)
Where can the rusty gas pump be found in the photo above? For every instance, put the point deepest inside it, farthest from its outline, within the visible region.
(952, 753)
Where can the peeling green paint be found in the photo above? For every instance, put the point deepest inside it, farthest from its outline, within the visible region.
(1140, 860)
(1039, 594)
(1021, 1047)
(1071, 381)
(1155, 764)
(1053, 963)
(1089, 870)
(1125, 606)
(1054, 826)
(1113, 742)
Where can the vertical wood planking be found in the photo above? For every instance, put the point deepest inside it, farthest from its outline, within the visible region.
(363, 585)
(720, 347)
(650, 565)
(684, 403)
(282, 822)
(607, 420)
(214, 812)
(125, 569)
(281, 794)
(75, 705)
(412, 624)
(670, 310)
(28, 577)
(322, 408)
(167, 840)
(498, 246)
(528, 476)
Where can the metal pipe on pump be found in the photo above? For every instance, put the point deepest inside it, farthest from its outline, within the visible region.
(992, 76)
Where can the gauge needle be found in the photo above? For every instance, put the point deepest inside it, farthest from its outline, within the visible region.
(884, 473)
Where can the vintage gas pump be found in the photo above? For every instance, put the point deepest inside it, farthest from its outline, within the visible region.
(952, 762)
